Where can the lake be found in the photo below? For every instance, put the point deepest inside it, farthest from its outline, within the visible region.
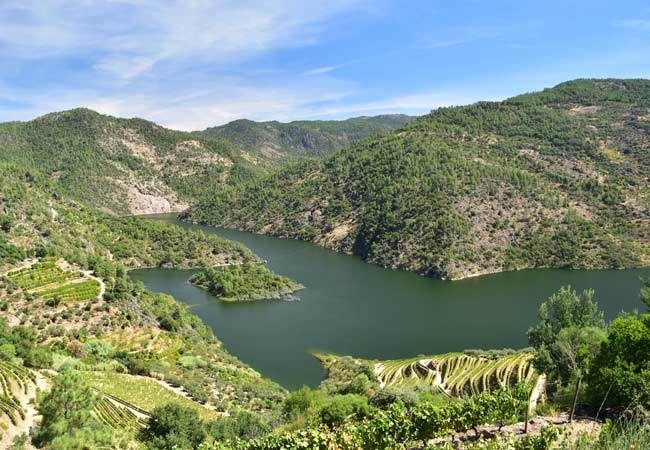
(353, 308)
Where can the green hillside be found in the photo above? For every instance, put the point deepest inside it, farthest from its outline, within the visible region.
(550, 179)
(303, 138)
(124, 165)
(63, 276)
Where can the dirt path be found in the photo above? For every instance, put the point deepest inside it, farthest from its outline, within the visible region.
(102, 285)
(22, 265)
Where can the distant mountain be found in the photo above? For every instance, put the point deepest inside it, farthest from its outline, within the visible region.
(559, 178)
(125, 165)
(303, 138)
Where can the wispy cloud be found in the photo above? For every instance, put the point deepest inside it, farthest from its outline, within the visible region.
(179, 62)
(129, 38)
(638, 24)
(417, 103)
(320, 70)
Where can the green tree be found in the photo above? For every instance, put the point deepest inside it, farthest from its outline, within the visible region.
(645, 294)
(66, 408)
(620, 374)
(173, 427)
(577, 348)
(301, 403)
(564, 309)
(337, 409)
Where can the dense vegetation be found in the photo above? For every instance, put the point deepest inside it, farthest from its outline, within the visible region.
(303, 138)
(244, 282)
(40, 222)
(71, 307)
(127, 165)
(108, 364)
(552, 179)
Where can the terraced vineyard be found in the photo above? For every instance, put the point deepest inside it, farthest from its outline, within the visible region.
(13, 377)
(71, 292)
(458, 374)
(41, 274)
(160, 344)
(118, 414)
(47, 280)
(140, 393)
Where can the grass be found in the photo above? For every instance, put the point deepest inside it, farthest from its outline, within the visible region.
(143, 393)
(617, 436)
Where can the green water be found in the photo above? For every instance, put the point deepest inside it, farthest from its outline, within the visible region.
(353, 308)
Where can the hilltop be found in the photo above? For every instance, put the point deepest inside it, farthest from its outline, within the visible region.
(124, 166)
(550, 179)
(133, 166)
(301, 139)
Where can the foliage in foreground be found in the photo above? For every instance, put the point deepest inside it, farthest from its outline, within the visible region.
(397, 426)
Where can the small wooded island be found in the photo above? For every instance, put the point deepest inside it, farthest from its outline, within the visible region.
(246, 282)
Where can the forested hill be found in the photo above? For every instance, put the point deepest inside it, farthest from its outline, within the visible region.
(125, 165)
(558, 178)
(303, 138)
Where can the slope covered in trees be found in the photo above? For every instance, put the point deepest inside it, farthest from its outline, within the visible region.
(550, 179)
(56, 251)
(303, 138)
(124, 165)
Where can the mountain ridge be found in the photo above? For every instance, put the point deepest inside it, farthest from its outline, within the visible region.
(303, 138)
(130, 166)
(550, 179)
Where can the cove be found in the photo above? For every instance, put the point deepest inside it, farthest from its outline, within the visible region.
(354, 308)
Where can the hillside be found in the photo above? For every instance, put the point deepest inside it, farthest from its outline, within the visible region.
(557, 178)
(125, 166)
(300, 139)
(64, 284)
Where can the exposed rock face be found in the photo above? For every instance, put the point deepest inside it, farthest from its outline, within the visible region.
(141, 203)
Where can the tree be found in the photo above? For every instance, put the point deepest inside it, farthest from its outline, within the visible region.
(645, 293)
(65, 408)
(577, 348)
(301, 403)
(173, 427)
(620, 374)
(239, 425)
(564, 309)
(337, 409)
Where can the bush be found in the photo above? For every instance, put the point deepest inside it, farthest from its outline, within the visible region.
(337, 409)
(173, 427)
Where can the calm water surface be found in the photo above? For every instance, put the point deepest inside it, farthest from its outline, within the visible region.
(353, 308)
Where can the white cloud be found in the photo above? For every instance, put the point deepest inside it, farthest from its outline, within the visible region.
(184, 64)
(418, 103)
(128, 38)
(320, 70)
(638, 24)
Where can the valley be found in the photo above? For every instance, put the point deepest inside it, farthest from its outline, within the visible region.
(556, 179)
(166, 332)
(349, 307)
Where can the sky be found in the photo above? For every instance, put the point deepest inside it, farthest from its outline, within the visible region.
(196, 63)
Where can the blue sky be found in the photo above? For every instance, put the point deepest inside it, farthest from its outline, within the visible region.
(192, 64)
